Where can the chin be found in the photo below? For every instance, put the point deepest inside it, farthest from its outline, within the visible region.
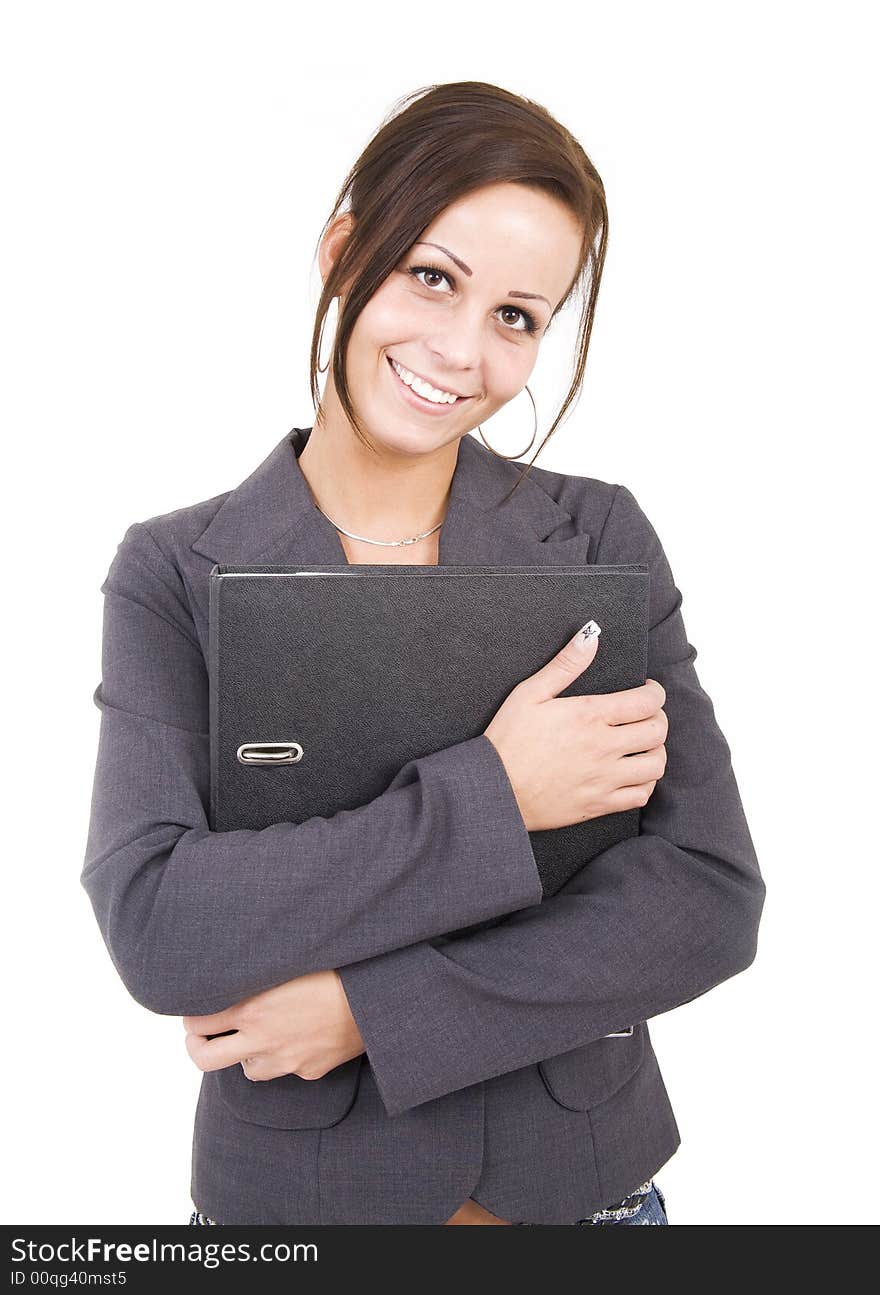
(409, 441)
(398, 436)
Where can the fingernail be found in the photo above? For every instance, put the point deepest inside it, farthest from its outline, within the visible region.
(588, 632)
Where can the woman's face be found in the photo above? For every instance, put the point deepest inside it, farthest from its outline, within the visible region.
(465, 311)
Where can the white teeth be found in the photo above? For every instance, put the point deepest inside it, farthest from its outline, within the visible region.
(434, 394)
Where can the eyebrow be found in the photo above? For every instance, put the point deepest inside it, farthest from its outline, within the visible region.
(466, 269)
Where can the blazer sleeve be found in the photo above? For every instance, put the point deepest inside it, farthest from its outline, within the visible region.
(647, 925)
(196, 920)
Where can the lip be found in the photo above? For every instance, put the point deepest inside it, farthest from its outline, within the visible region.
(419, 401)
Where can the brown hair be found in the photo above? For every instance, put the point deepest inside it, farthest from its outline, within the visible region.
(439, 143)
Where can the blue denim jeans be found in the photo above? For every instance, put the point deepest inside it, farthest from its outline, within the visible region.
(646, 1205)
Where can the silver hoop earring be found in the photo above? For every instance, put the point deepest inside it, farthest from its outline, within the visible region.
(324, 368)
(511, 457)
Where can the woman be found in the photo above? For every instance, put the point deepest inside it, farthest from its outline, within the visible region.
(359, 1064)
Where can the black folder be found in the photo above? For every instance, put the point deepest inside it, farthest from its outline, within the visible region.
(326, 680)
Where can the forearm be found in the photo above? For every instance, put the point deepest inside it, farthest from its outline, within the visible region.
(642, 929)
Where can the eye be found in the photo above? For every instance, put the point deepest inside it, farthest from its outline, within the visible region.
(416, 270)
(529, 323)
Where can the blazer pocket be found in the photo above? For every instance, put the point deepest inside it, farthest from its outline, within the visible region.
(290, 1102)
(589, 1075)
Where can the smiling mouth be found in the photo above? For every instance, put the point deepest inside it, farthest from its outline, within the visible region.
(399, 369)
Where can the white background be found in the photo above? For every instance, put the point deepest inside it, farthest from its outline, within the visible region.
(168, 168)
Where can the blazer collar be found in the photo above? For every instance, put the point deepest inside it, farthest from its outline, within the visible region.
(271, 518)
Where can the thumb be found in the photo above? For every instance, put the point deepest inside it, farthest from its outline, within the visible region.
(568, 663)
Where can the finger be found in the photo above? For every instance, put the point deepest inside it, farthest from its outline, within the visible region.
(261, 1068)
(217, 1054)
(634, 770)
(624, 798)
(562, 669)
(215, 1023)
(633, 704)
(641, 735)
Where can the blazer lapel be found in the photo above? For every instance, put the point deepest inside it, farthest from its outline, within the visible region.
(271, 517)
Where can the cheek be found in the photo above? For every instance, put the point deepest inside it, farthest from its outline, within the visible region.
(508, 369)
(391, 316)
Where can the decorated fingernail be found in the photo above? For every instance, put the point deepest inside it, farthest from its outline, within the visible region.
(587, 632)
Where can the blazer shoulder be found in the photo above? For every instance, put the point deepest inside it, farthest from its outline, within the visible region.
(608, 511)
(588, 500)
(162, 543)
(572, 492)
(174, 532)
(154, 564)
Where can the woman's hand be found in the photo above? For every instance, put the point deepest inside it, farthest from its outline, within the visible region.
(303, 1027)
(574, 758)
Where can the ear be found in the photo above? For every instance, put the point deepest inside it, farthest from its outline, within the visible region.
(333, 241)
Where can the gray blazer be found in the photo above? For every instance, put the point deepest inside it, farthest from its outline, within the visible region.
(495, 1066)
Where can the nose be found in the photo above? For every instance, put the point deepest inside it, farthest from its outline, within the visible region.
(455, 351)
